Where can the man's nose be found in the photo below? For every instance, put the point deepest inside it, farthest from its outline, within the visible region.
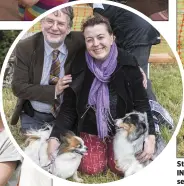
(55, 26)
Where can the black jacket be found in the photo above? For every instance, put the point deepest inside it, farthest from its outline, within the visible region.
(127, 81)
(130, 29)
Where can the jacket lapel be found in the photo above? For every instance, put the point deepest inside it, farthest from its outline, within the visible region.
(68, 42)
(38, 59)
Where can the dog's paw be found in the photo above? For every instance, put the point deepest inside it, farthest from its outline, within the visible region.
(80, 180)
(76, 178)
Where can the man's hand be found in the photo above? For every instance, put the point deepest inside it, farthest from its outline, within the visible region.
(53, 145)
(149, 149)
(62, 84)
(28, 3)
(144, 78)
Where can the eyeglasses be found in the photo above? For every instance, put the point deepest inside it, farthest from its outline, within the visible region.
(51, 23)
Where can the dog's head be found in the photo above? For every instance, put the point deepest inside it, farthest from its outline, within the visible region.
(135, 124)
(72, 143)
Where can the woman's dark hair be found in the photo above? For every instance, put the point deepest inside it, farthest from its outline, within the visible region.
(96, 19)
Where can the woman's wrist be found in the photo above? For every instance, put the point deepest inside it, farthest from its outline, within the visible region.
(54, 138)
(151, 137)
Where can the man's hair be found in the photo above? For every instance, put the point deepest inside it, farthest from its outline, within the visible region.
(96, 19)
(68, 11)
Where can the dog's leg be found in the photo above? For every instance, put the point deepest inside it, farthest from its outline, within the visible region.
(133, 168)
(76, 178)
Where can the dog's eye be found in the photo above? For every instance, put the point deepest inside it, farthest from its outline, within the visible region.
(79, 146)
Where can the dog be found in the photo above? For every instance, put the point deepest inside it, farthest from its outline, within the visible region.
(128, 140)
(67, 157)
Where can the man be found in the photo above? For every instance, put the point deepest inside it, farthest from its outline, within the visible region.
(9, 159)
(39, 73)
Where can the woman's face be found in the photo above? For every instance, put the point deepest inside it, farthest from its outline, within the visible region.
(98, 41)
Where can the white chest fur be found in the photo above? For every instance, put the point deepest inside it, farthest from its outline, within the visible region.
(124, 154)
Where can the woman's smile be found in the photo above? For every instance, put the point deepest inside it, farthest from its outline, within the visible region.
(98, 41)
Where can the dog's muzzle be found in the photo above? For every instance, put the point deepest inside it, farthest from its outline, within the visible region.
(82, 151)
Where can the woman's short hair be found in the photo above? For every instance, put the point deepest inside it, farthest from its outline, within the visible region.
(96, 19)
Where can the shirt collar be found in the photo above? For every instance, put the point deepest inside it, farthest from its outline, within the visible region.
(49, 49)
(98, 5)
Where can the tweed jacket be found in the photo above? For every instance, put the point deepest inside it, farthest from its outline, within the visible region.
(28, 70)
(127, 82)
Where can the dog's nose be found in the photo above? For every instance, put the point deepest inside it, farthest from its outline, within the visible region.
(86, 148)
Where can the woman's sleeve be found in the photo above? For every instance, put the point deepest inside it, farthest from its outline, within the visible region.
(67, 117)
(139, 95)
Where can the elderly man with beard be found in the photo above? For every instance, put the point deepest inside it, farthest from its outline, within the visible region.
(42, 62)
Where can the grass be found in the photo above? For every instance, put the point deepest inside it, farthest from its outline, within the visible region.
(180, 136)
(167, 85)
(180, 29)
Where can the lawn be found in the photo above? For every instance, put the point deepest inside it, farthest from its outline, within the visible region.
(180, 28)
(167, 85)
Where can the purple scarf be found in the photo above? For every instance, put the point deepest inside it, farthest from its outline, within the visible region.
(99, 92)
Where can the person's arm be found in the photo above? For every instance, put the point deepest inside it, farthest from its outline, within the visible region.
(6, 169)
(66, 120)
(139, 95)
(27, 3)
(141, 104)
(22, 86)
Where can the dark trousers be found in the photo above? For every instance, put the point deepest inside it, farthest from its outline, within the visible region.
(142, 54)
(38, 121)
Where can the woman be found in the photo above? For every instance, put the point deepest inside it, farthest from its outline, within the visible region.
(106, 81)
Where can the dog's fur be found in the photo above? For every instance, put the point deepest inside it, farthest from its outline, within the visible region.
(67, 158)
(130, 134)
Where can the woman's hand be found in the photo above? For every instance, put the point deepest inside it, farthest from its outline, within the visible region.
(28, 3)
(53, 145)
(149, 149)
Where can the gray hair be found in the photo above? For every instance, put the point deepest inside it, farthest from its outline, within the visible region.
(69, 12)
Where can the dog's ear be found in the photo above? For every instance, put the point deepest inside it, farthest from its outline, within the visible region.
(63, 139)
(67, 135)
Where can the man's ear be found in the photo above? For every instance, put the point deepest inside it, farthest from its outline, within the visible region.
(69, 30)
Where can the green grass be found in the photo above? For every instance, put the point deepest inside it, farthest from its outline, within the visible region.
(167, 85)
(180, 35)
